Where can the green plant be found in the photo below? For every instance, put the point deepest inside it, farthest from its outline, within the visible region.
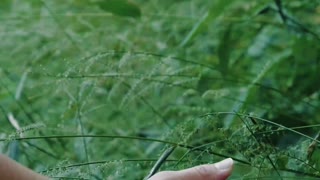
(100, 94)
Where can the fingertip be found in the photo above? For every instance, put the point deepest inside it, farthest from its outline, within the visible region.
(218, 171)
(224, 164)
(224, 168)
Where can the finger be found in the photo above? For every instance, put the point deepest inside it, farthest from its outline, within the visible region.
(217, 171)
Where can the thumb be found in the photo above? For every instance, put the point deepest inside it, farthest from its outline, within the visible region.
(218, 171)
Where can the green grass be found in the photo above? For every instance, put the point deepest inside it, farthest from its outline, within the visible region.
(102, 96)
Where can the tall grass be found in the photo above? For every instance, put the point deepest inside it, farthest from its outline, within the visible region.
(103, 96)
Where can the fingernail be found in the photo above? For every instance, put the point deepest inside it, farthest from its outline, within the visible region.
(224, 164)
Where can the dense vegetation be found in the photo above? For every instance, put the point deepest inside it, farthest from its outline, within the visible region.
(102, 89)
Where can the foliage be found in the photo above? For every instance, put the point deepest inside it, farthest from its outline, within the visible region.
(101, 89)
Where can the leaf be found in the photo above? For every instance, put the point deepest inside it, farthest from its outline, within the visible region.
(120, 8)
(224, 50)
(215, 94)
(214, 12)
(5, 5)
(305, 50)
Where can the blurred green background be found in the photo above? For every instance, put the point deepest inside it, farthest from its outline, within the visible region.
(99, 89)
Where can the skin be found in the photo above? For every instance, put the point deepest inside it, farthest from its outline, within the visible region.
(11, 170)
(217, 171)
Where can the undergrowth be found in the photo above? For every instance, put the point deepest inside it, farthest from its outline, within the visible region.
(89, 92)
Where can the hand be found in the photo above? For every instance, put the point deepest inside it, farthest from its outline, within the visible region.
(217, 171)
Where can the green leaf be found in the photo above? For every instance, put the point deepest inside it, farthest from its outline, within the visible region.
(120, 8)
(305, 49)
(215, 94)
(224, 50)
(213, 13)
(5, 5)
